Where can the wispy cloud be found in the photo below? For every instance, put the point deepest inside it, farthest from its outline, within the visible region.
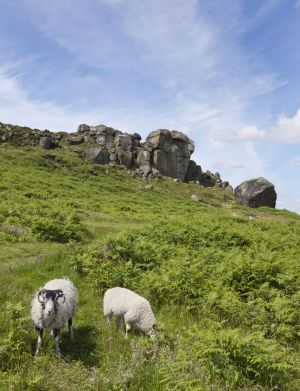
(244, 134)
(18, 107)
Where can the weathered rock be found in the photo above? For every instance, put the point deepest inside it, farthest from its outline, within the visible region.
(100, 156)
(208, 179)
(146, 170)
(124, 146)
(171, 152)
(113, 157)
(83, 128)
(193, 172)
(137, 137)
(218, 185)
(255, 193)
(45, 142)
(143, 157)
(104, 135)
(229, 189)
(76, 140)
(217, 176)
(197, 198)
(155, 172)
(224, 184)
(48, 142)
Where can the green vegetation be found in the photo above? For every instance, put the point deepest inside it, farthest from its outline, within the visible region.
(225, 288)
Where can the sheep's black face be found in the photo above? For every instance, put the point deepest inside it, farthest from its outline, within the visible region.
(50, 299)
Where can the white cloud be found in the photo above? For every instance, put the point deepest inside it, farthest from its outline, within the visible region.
(287, 129)
(244, 134)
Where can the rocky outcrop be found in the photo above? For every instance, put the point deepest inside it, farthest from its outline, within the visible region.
(23, 136)
(255, 193)
(164, 152)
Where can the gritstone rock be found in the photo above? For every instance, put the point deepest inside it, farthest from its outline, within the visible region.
(171, 152)
(255, 193)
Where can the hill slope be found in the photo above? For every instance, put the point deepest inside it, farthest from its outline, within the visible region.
(224, 287)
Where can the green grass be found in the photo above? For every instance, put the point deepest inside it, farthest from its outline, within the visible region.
(225, 288)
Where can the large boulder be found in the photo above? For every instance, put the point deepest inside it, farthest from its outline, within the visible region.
(171, 151)
(255, 193)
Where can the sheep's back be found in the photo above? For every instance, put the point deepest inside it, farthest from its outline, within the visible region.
(121, 300)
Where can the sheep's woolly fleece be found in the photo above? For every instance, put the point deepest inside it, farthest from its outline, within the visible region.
(64, 311)
(135, 308)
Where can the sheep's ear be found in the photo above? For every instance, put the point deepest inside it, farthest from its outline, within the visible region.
(41, 295)
(60, 294)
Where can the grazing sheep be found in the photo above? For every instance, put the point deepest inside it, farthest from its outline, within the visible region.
(136, 310)
(52, 306)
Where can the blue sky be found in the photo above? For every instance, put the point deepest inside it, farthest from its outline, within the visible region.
(226, 72)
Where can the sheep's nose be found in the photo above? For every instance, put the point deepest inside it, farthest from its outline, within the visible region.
(49, 312)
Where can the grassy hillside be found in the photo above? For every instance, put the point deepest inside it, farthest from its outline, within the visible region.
(223, 280)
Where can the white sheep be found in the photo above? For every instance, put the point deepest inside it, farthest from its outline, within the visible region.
(136, 310)
(52, 306)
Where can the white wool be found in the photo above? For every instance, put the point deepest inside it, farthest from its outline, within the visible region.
(65, 310)
(135, 308)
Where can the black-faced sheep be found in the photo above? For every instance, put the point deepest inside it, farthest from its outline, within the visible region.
(52, 306)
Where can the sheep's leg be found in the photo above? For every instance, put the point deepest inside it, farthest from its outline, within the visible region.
(40, 339)
(56, 333)
(128, 328)
(118, 322)
(71, 328)
(128, 322)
